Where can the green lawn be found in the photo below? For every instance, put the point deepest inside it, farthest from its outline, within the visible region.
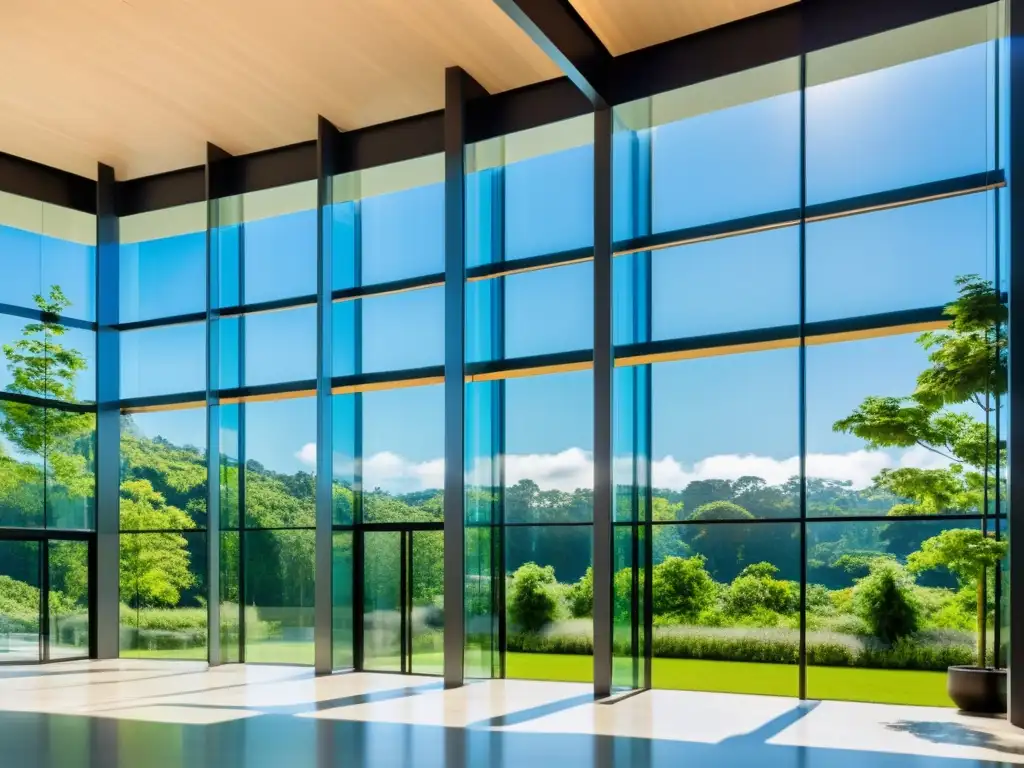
(884, 686)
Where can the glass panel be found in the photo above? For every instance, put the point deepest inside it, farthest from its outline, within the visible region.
(163, 592)
(166, 450)
(278, 347)
(403, 455)
(707, 136)
(382, 595)
(279, 242)
(726, 608)
(163, 361)
(20, 605)
(483, 536)
(48, 360)
(399, 332)
(280, 462)
(163, 263)
(342, 573)
(231, 611)
(22, 444)
(427, 590)
(549, 475)
(549, 187)
(70, 455)
(44, 247)
(52, 443)
(549, 598)
(881, 630)
(401, 219)
(725, 437)
(279, 597)
(874, 450)
(722, 286)
(904, 258)
(69, 599)
(916, 100)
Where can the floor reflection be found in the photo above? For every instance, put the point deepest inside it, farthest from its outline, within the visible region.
(167, 717)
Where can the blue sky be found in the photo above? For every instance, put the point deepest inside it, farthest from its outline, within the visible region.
(922, 121)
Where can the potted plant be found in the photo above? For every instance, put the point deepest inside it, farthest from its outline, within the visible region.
(968, 554)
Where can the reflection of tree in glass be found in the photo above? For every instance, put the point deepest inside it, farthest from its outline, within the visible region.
(41, 366)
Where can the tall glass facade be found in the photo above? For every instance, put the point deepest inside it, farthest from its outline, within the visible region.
(809, 308)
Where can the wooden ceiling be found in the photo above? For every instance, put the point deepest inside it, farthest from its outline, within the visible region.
(142, 85)
(626, 25)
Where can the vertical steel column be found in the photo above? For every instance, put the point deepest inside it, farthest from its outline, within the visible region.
(1015, 438)
(323, 624)
(802, 384)
(214, 156)
(108, 418)
(604, 362)
(459, 89)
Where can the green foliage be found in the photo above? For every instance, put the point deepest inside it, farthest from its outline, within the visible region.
(154, 566)
(532, 597)
(756, 588)
(580, 596)
(721, 510)
(886, 600)
(682, 587)
(967, 552)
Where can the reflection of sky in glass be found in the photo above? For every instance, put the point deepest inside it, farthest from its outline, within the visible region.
(278, 433)
(163, 361)
(163, 277)
(403, 438)
(32, 263)
(403, 234)
(918, 122)
(735, 284)
(280, 256)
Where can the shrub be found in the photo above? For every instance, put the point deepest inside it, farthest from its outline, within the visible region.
(721, 510)
(757, 588)
(532, 598)
(682, 587)
(887, 601)
(580, 596)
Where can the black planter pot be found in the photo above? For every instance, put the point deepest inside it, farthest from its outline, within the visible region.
(974, 689)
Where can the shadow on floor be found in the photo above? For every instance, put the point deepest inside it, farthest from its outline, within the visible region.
(956, 733)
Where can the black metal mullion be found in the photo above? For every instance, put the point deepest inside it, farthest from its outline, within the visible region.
(403, 601)
(802, 382)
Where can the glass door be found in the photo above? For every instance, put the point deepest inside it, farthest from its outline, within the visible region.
(20, 602)
(383, 598)
(67, 591)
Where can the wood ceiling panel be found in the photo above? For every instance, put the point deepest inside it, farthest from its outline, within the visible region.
(144, 84)
(626, 25)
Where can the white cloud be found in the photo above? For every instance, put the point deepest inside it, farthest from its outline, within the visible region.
(574, 468)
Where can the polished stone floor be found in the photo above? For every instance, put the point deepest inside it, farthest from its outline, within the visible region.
(151, 714)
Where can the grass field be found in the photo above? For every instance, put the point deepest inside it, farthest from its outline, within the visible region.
(886, 686)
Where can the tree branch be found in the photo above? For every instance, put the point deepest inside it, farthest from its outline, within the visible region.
(936, 451)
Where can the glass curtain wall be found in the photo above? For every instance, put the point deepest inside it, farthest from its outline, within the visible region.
(529, 413)
(163, 487)
(47, 428)
(387, 365)
(263, 353)
(811, 365)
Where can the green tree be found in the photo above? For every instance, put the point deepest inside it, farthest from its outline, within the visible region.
(681, 587)
(886, 600)
(967, 366)
(581, 596)
(41, 366)
(967, 553)
(532, 598)
(154, 567)
(756, 588)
